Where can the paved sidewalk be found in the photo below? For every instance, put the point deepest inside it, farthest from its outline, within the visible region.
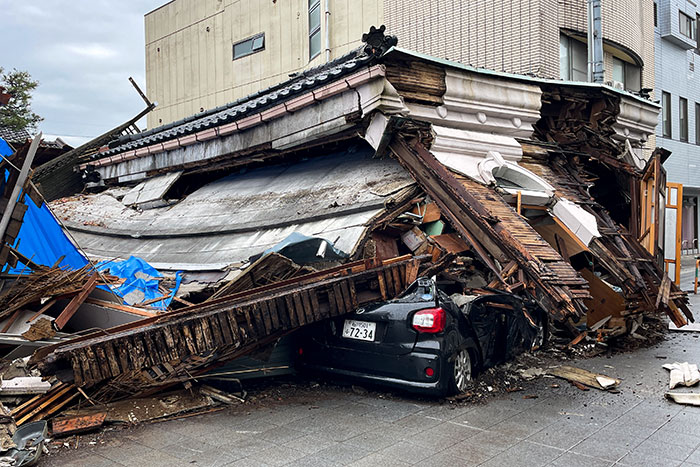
(320, 427)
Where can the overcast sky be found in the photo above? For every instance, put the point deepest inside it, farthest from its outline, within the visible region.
(82, 52)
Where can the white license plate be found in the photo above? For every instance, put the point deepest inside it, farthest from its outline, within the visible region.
(361, 330)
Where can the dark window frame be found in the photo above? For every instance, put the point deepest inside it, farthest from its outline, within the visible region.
(683, 119)
(656, 15)
(683, 19)
(628, 71)
(313, 6)
(697, 123)
(254, 48)
(666, 111)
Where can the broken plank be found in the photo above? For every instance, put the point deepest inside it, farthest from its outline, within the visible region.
(74, 304)
(79, 424)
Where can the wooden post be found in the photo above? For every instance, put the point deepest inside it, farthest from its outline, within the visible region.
(5, 221)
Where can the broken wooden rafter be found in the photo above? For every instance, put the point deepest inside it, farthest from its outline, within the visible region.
(463, 203)
(157, 351)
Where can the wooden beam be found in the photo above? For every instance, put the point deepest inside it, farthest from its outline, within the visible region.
(78, 300)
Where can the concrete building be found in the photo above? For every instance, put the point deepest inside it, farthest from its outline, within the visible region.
(678, 88)
(201, 54)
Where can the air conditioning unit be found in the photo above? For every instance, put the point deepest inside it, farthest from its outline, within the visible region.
(618, 85)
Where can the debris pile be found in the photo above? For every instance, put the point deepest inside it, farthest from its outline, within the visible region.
(334, 190)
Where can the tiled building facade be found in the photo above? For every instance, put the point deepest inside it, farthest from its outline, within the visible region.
(678, 88)
(542, 37)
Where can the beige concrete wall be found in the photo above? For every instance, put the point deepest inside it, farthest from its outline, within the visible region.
(189, 58)
(189, 48)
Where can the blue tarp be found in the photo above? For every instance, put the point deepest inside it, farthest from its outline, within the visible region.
(141, 283)
(42, 239)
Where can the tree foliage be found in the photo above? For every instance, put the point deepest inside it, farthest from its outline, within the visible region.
(17, 114)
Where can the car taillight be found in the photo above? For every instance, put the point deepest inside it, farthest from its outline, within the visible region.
(431, 320)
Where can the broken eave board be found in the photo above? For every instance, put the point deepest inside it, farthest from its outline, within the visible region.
(494, 229)
(161, 350)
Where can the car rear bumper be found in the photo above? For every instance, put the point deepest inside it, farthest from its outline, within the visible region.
(405, 371)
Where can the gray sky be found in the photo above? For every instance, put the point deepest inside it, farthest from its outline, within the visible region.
(82, 52)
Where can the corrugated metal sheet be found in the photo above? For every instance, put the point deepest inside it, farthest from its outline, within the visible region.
(233, 218)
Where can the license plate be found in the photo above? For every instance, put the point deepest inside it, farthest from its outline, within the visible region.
(361, 330)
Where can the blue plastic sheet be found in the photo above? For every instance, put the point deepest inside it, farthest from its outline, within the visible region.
(141, 283)
(42, 240)
(40, 237)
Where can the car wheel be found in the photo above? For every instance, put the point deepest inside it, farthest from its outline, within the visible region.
(461, 371)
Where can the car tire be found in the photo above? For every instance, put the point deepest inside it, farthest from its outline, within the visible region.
(460, 371)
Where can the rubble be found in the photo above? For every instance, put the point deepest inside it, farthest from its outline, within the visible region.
(323, 194)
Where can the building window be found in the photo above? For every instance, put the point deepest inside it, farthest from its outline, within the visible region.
(573, 59)
(683, 118)
(314, 28)
(656, 15)
(628, 74)
(666, 114)
(697, 124)
(687, 25)
(249, 46)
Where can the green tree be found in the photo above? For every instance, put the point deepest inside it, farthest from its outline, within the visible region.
(17, 114)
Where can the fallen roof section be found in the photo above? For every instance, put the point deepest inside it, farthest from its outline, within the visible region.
(229, 220)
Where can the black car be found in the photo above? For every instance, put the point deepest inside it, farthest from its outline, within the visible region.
(425, 341)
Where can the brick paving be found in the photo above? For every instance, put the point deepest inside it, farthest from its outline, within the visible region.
(563, 426)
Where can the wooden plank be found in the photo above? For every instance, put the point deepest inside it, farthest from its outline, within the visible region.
(289, 311)
(208, 334)
(77, 424)
(306, 305)
(116, 306)
(299, 308)
(77, 371)
(332, 304)
(47, 401)
(41, 311)
(265, 314)
(389, 281)
(257, 315)
(74, 304)
(398, 283)
(94, 364)
(111, 357)
(315, 306)
(233, 324)
(225, 329)
(153, 351)
(382, 286)
(105, 365)
(249, 322)
(190, 340)
(277, 323)
(11, 320)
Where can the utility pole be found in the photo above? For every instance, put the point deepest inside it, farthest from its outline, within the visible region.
(595, 42)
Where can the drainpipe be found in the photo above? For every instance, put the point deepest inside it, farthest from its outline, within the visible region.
(595, 42)
(327, 16)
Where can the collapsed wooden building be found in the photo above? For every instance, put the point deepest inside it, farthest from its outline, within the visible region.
(389, 165)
